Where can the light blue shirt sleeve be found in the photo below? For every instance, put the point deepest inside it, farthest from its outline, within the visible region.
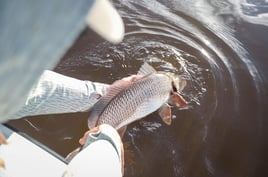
(55, 93)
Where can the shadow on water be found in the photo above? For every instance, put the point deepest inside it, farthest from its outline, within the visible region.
(219, 48)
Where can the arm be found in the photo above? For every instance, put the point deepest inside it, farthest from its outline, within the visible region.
(54, 93)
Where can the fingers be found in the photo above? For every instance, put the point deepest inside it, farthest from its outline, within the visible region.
(100, 128)
(2, 139)
(122, 158)
(2, 164)
(132, 78)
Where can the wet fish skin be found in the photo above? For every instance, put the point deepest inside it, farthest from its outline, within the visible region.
(129, 101)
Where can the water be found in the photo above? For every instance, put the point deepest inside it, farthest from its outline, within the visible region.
(219, 47)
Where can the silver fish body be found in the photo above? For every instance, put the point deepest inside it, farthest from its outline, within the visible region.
(131, 101)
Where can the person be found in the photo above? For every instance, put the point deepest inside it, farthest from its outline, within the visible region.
(33, 37)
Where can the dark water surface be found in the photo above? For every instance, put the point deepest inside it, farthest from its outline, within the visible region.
(220, 48)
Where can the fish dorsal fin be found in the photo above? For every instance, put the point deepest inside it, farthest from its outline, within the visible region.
(146, 69)
(112, 92)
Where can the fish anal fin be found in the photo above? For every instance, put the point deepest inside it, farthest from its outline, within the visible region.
(165, 114)
(146, 69)
(177, 100)
(121, 131)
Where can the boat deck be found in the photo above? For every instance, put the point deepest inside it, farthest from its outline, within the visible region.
(24, 156)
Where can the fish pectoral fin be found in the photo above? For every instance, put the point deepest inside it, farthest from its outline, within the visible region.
(121, 131)
(177, 100)
(165, 114)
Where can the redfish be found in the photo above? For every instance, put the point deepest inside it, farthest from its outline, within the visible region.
(129, 101)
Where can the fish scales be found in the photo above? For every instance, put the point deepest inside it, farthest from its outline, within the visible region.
(133, 98)
(143, 97)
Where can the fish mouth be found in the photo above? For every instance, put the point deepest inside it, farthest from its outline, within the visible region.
(174, 87)
(178, 83)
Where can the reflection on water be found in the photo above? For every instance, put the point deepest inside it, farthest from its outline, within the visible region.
(219, 48)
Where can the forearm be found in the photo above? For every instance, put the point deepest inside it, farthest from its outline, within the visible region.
(55, 93)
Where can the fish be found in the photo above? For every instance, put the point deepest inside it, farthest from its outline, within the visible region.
(133, 98)
(127, 101)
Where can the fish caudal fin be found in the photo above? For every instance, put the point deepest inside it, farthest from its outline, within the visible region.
(72, 154)
(121, 131)
(146, 69)
(165, 113)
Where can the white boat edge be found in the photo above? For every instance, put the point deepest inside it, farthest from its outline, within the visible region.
(24, 156)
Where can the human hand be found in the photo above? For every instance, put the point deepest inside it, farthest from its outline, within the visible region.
(104, 128)
(133, 78)
(128, 79)
(2, 139)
